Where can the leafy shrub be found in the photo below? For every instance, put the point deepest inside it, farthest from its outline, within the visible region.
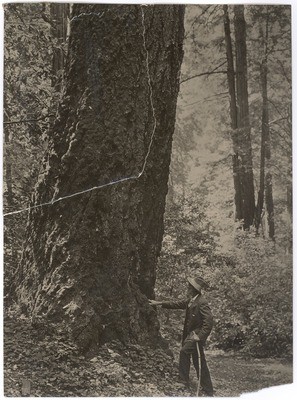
(250, 284)
(252, 297)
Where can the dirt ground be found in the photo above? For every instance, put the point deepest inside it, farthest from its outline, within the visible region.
(39, 362)
(234, 374)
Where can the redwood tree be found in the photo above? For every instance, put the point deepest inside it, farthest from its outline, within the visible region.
(89, 259)
(243, 133)
(265, 189)
(233, 116)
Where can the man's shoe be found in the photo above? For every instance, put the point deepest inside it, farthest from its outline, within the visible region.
(204, 393)
(183, 383)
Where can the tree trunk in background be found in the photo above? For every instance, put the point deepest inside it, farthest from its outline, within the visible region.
(265, 191)
(265, 125)
(289, 188)
(269, 204)
(260, 202)
(264, 133)
(170, 194)
(243, 123)
(289, 193)
(289, 204)
(268, 176)
(90, 260)
(233, 116)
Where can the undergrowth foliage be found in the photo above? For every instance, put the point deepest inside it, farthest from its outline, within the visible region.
(250, 283)
(46, 359)
(253, 297)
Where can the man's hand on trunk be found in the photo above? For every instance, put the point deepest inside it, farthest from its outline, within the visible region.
(155, 303)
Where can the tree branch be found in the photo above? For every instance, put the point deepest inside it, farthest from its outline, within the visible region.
(275, 121)
(200, 15)
(286, 140)
(276, 108)
(215, 8)
(288, 79)
(213, 71)
(207, 98)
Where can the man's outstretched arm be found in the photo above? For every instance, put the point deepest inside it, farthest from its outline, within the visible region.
(179, 304)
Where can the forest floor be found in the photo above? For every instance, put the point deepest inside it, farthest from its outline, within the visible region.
(40, 363)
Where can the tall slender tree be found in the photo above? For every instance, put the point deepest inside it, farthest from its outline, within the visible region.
(239, 115)
(243, 122)
(265, 187)
(266, 135)
(90, 259)
(233, 116)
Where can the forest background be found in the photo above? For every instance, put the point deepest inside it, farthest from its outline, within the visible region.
(250, 271)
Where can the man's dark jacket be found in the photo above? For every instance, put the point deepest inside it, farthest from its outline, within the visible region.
(198, 318)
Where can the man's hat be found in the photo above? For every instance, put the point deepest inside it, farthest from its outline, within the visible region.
(198, 283)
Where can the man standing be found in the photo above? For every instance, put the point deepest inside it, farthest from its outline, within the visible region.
(197, 327)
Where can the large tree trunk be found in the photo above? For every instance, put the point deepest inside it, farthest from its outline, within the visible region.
(90, 259)
(243, 123)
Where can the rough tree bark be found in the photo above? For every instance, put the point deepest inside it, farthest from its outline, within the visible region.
(10, 242)
(243, 123)
(59, 25)
(90, 260)
(9, 195)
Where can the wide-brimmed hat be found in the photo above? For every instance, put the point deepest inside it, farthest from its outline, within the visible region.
(198, 283)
